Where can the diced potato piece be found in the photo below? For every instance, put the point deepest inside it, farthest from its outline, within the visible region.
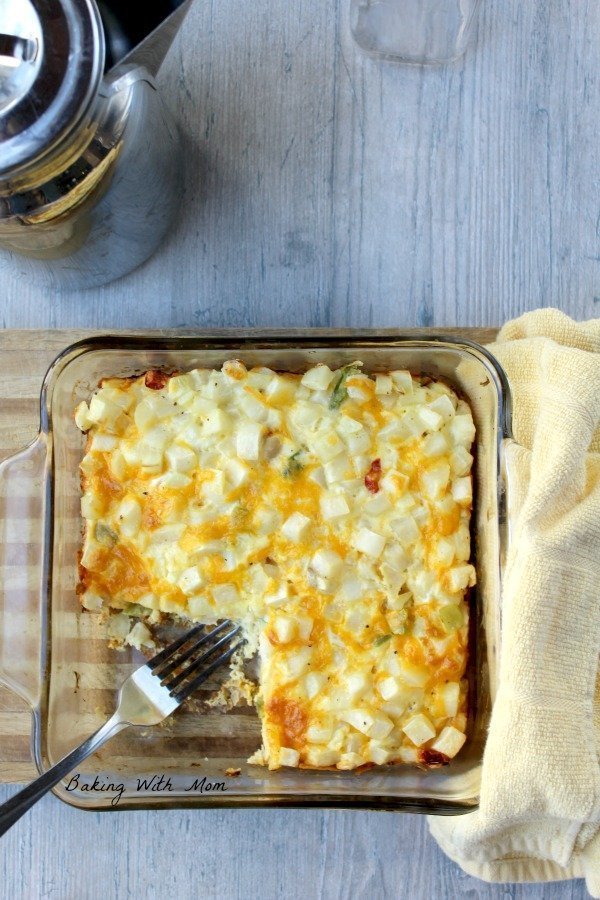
(394, 483)
(190, 580)
(361, 719)
(381, 727)
(193, 435)
(216, 422)
(167, 533)
(369, 542)
(349, 761)
(91, 506)
(200, 609)
(119, 626)
(423, 585)
(358, 443)
(337, 469)
(450, 696)
(319, 734)
(378, 754)
(444, 406)
(419, 729)
(326, 446)
(318, 379)
(306, 415)
(357, 684)
(377, 505)
(434, 479)
(144, 416)
(435, 444)
(284, 628)
(333, 506)
(237, 472)
(403, 381)
(359, 388)
(103, 443)
(406, 530)
(388, 688)
(348, 425)
(129, 515)
(279, 390)
(139, 637)
(449, 741)
(461, 461)
(408, 672)
(235, 370)
(326, 563)
(352, 589)
(383, 385)
(375, 725)
(321, 757)
(161, 406)
(248, 440)
(92, 601)
(82, 417)
(280, 596)
(296, 527)
(429, 418)
(253, 407)
(173, 480)
(288, 757)
(462, 490)
(266, 520)
(396, 620)
(444, 551)
(102, 409)
(313, 683)
(225, 593)
(461, 577)
(304, 625)
(462, 430)
(295, 664)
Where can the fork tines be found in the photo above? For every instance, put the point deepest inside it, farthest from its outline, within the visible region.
(179, 661)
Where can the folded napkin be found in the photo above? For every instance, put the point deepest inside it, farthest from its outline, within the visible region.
(539, 816)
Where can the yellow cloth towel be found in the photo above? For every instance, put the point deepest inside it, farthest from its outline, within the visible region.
(539, 815)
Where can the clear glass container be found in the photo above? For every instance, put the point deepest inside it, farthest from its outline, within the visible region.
(56, 655)
(417, 31)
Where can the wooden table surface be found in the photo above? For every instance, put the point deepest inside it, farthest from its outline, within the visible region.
(327, 189)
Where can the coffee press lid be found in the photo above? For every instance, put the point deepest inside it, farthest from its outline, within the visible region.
(51, 63)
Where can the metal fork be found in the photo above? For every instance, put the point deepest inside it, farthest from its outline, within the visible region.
(148, 696)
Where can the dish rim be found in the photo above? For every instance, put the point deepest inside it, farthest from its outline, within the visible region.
(237, 341)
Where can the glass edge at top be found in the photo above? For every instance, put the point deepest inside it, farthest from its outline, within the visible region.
(235, 339)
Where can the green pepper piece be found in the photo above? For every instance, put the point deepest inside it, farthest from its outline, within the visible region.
(382, 639)
(451, 617)
(340, 392)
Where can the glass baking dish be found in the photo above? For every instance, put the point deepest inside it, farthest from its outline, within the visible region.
(56, 656)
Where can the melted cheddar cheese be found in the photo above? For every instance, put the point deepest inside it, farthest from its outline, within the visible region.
(328, 513)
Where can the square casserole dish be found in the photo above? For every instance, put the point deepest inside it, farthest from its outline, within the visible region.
(56, 655)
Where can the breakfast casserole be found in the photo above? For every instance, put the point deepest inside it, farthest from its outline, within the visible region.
(328, 512)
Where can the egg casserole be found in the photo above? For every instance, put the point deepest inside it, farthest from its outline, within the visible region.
(327, 512)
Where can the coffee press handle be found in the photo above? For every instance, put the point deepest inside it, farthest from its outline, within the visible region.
(150, 53)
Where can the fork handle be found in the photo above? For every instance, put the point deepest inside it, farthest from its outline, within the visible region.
(14, 808)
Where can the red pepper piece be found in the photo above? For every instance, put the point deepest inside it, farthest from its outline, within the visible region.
(373, 476)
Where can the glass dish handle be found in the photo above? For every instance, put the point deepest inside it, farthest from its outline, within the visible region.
(23, 498)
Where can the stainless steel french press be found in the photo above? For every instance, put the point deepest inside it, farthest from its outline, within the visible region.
(90, 162)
